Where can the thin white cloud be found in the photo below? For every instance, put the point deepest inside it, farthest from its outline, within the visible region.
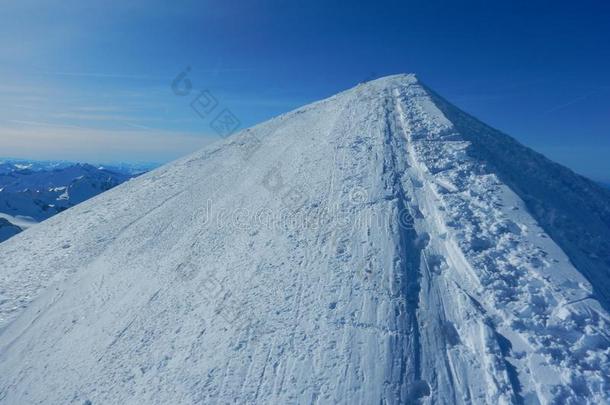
(571, 102)
(91, 117)
(97, 108)
(38, 140)
(42, 124)
(115, 75)
(108, 75)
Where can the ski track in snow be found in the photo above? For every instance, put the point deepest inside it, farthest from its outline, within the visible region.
(452, 294)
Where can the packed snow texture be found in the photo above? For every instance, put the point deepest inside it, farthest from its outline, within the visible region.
(370, 248)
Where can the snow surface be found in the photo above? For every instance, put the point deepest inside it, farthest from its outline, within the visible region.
(357, 250)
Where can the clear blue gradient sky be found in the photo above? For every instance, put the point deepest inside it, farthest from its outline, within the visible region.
(90, 81)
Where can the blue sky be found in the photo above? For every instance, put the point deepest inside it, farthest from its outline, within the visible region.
(91, 81)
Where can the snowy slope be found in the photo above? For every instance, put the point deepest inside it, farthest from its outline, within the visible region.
(368, 248)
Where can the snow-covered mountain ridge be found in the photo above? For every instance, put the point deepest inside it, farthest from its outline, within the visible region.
(466, 283)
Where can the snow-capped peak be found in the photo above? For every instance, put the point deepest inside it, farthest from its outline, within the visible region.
(378, 246)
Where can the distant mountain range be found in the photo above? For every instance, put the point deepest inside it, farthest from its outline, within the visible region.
(8, 229)
(32, 191)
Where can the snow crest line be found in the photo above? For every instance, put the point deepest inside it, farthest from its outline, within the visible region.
(506, 267)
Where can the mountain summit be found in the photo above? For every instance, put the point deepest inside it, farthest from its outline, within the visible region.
(376, 247)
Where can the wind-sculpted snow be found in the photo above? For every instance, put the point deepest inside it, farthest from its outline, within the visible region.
(573, 210)
(357, 250)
